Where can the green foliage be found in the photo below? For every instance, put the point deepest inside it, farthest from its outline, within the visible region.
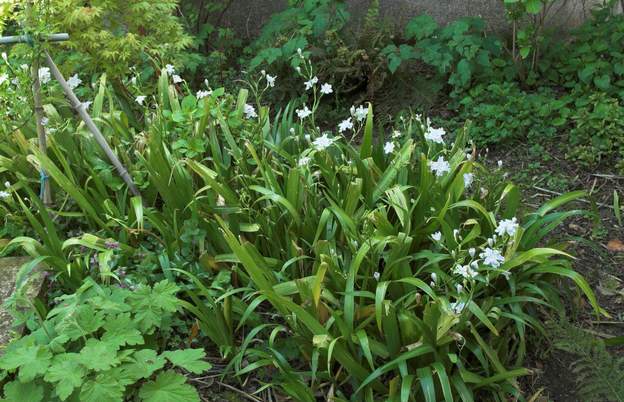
(592, 125)
(594, 58)
(95, 346)
(367, 272)
(600, 372)
(528, 31)
(346, 52)
(110, 36)
(6, 12)
(302, 23)
(503, 112)
(598, 132)
(169, 386)
(460, 52)
(215, 48)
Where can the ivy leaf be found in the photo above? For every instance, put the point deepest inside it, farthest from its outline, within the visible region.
(188, 359)
(121, 331)
(17, 391)
(144, 363)
(67, 372)
(31, 360)
(99, 355)
(586, 73)
(168, 387)
(104, 388)
(603, 82)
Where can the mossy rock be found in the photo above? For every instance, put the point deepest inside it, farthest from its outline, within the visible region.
(9, 269)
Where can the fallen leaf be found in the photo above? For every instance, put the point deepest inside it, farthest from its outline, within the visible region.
(575, 227)
(615, 245)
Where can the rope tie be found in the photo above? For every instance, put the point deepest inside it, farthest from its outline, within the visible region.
(43, 177)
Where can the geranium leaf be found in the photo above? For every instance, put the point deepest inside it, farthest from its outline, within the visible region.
(168, 387)
(121, 331)
(145, 363)
(98, 355)
(67, 372)
(104, 388)
(17, 391)
(31, 360)
(189, 359)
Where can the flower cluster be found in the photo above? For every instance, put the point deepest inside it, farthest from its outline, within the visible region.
(74, 81)
(250, 111)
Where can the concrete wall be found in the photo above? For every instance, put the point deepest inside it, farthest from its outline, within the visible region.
(248, 16)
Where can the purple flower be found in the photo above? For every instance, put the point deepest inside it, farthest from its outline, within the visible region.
(111, 244)
(93, 262)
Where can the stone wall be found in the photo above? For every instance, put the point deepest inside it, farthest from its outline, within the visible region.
(248, 16)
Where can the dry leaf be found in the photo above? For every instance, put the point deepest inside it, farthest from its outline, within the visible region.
(194, 332)
(615, 245)
(576, 228)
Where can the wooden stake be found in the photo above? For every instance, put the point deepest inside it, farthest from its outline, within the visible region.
(81, 110)
(46, 193)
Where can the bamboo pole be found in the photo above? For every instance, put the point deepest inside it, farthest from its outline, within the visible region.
(82, 112)
(12, 40)
(46, 192)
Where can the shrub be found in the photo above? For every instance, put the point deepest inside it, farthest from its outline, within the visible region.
(460, 52)
(109, 36)
(115, 35)
(594, 58)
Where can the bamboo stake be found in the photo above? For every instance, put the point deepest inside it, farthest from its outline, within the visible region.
(12, 40)
(81, 110)
(46, 192)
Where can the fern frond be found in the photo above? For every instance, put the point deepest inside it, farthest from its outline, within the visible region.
(599, 373)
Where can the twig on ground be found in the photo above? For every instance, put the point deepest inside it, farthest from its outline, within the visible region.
(545, 190)
(608, 176)
(239, 391)
(607, 322)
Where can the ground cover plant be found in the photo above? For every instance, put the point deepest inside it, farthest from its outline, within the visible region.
(290, 240)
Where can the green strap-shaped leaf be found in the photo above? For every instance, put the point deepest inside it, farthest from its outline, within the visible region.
(476, 310)
(425, 375)
(273, 196)
(366, 149)
(417, 351)
(577, 278)
(444, 381)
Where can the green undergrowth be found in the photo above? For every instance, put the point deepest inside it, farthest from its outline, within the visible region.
(400, 268)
